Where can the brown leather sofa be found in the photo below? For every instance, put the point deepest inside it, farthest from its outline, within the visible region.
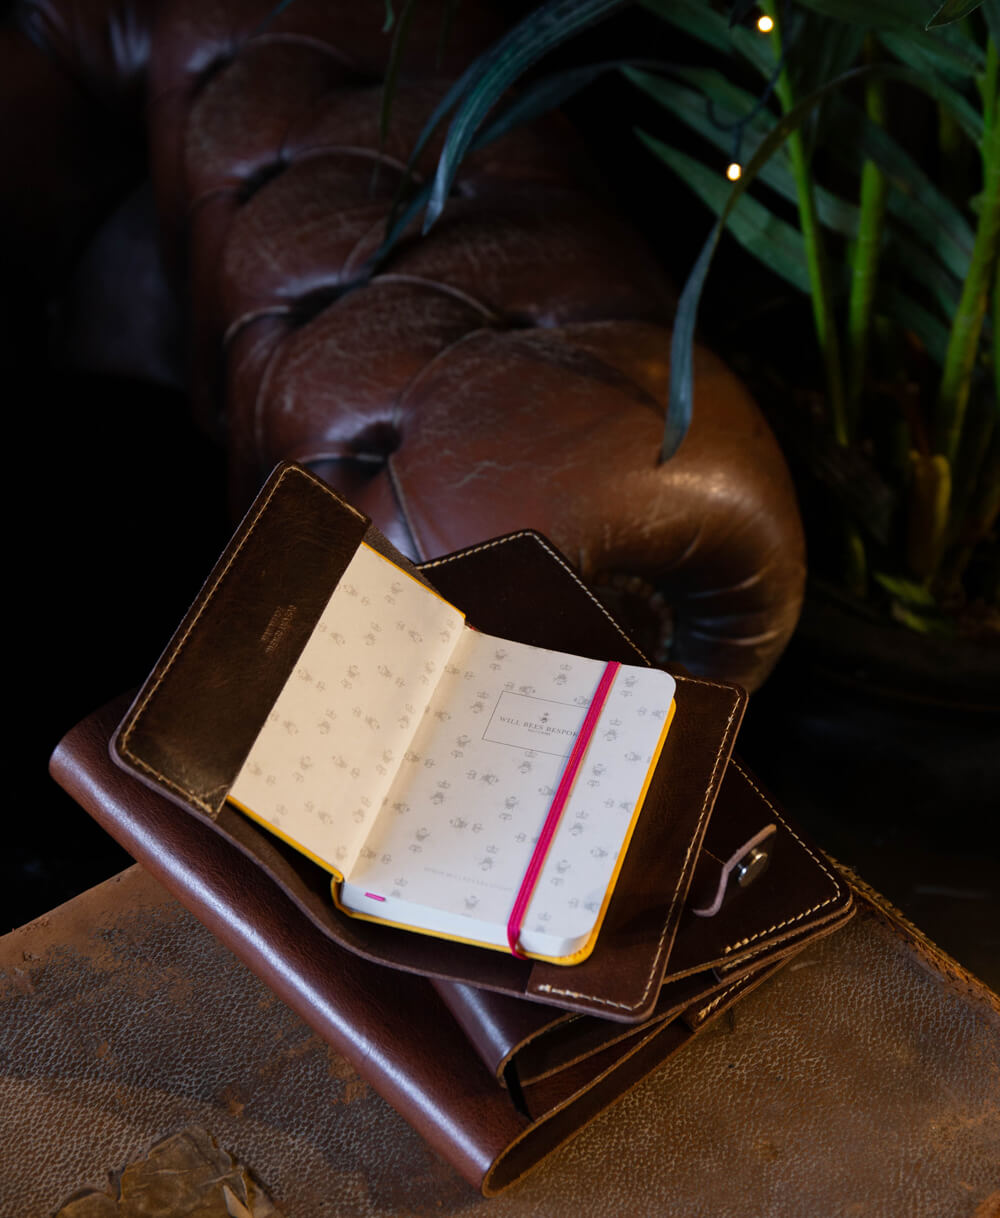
(507, 371)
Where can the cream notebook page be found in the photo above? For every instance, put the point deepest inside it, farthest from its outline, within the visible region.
(417, 759)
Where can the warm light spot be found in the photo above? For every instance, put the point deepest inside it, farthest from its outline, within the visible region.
(765, 24)
(734, 171)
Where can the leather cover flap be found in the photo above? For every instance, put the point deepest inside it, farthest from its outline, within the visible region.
(391, 1025)
(800, 897)
(215, 684)
(799, 892)
(199, 712)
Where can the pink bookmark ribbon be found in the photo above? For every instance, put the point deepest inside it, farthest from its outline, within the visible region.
(534, 868)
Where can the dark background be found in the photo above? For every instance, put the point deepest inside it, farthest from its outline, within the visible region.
(127, 517)
(118, 510)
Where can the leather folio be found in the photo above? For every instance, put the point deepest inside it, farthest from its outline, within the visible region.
(547, 1047)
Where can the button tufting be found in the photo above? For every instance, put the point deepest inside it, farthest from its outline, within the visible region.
(259, 178)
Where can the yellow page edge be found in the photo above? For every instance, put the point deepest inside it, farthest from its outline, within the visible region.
(581, 953)
(290, 841)
(425, 587)
(269, 825)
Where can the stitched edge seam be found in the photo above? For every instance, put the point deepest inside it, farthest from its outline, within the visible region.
(553, 553)
(550, 989)
(668, 921)
(806, 912)
(182, 641)
(710, 1007)
(961, 981)
(499, 541)
(438, 562)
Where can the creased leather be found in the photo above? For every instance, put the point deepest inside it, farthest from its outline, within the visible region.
(193, 722)
(391, 1023)
(803, 896)
(199, 713)
(864, 1081)
(557, 1086)
(531, 309)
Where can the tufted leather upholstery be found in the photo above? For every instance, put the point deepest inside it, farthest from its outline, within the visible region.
(507, 371)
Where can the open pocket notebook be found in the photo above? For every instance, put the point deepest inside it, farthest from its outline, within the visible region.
(456, 783)
(254, 722)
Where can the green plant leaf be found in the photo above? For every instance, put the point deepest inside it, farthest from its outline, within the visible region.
(537, 99)
(923, 62)
(931, 332)
(837, 214)
(914, 198)
(741, 10)
(918, 266)
(497, 69)
(817, 48)
(906, 590)
(691, 108)
(446, 104)
(872, 14)
(835, 48)
(694, 107)
(552, 91)
(680, 402)
(991, 11)
(700, 21)
(964, 346)
(763, 234)
(951, 48)
(391, 77)
(922, 624)
(930, 494)
(959, 58)
(278, 9)
(952, 10)
(466, 82)
(447, 21)
(696, 19)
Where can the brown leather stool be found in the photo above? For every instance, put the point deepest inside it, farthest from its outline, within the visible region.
(862, 1080)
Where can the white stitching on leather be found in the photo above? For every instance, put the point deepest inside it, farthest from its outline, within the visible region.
(551, 989)
(430, 565)
(626, 1006)
(175, 653)
(710, 1007)
(499, 541)
(806, 912)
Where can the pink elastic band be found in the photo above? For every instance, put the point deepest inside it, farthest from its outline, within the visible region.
(548, 832)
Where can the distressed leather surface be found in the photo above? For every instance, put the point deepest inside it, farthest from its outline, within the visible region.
(392, 1025)
(187, 1174)
(800, 894)
(860, 1082)
(197, 714)
(509, 371)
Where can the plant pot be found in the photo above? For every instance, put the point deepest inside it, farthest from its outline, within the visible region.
(885, 746)
(880, 715)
